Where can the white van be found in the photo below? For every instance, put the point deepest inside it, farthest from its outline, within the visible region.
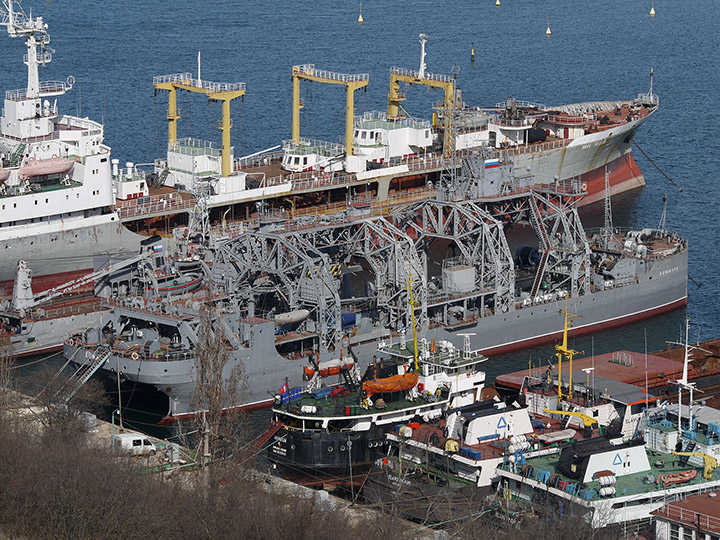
(134, 443)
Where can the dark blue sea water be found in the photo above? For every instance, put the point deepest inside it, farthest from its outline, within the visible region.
(598, 50)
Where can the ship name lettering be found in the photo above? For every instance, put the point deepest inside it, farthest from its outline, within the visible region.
(669, 271)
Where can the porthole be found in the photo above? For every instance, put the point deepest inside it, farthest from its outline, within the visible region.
(342, 448)
(330, 448)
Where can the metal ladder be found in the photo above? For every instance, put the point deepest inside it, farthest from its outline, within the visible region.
(15, 158)
(689, 447)
(83, 374)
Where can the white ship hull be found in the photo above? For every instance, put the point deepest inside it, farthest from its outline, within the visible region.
(65, 246)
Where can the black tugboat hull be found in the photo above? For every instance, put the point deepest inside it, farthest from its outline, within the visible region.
(319, 457)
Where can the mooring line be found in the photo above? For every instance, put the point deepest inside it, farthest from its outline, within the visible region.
(655, 165)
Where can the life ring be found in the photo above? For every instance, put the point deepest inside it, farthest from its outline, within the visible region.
(134, 356)
(54, 156)
(584, 186)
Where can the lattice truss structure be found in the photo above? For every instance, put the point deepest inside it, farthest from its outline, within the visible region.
(301, 267)
(564, 249)
(483, 248)
(270, 272)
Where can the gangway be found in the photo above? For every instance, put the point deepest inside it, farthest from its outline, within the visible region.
(351, 82)
(223, 92)
(83, 374)
(256, 445)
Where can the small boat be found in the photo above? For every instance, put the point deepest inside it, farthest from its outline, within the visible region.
(334, 434)
(178, 284)
(676, 478)
(328, 368)
(394, 383)
(45, 167)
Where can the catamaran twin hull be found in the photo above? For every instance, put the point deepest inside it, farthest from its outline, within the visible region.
(661, 289)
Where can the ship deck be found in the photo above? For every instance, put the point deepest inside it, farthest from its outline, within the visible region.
(349, 405)
(625, 485)
(622, 366)
(433, 435)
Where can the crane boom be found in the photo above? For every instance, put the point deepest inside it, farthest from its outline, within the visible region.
(710, 462)
(588, 421)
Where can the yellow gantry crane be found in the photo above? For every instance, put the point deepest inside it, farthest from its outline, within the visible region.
(710, 462)
(409, 76)
(223, 92)
(351, 82)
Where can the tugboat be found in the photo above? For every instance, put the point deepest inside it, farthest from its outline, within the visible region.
(333, 434)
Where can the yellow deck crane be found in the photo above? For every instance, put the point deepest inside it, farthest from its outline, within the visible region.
(710, 462)
(589, 422)
(409, 76)
(351, 82)
(223, 92)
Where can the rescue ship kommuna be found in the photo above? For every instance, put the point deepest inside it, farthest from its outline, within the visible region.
(322, 284)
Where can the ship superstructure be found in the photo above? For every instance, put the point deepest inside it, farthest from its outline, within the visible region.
(56, 191)
(386, 154)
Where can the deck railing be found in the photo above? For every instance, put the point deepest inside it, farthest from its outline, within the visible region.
(676, 512)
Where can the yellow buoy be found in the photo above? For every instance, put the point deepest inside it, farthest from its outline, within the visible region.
(548, 32)
(472, 52)
(360, 19)
(497, 3)
(652, 9)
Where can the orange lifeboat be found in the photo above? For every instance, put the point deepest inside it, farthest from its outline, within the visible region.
(327, 369)
(45, 167)
(394, 383)
(676, 478)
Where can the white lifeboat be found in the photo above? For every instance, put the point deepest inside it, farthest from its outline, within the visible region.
(45, 167)
(291, 317)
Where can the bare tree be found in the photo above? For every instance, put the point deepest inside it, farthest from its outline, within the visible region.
(219, 387)
(7, 378)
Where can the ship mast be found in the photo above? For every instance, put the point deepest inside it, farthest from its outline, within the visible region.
(35, 32)
(423, 41)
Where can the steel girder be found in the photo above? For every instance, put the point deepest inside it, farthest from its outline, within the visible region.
(478, 235)
(299, 274)
(563, 242)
